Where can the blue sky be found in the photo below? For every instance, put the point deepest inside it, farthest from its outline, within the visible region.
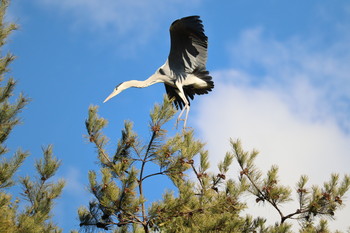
(280, 69)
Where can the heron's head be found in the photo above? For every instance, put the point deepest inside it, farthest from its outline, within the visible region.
(116, 91)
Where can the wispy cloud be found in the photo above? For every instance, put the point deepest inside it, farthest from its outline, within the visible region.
(75, 194)
(289, 100)
(75, 186)
(298, 60)
(134, 21)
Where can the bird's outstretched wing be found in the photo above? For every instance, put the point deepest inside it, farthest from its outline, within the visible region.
(188, 46)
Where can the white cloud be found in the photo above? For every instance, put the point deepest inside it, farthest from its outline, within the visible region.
(323, 64)
(295, 110)
(264, 119)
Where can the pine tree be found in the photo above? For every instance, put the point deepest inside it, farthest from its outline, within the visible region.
(202, 201)
(38, 194)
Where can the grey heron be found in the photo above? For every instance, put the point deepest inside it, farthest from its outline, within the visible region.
(184, 73)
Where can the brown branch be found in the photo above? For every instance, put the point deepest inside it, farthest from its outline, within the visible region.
(298, 211)
(141, 178)
(199, 179)
(265, 197)
(99, 148)
(138, 220)
(154, 174)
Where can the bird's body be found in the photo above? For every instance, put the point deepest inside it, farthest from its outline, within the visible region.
(184, 74)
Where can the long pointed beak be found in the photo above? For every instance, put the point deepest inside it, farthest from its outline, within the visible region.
(114, 93)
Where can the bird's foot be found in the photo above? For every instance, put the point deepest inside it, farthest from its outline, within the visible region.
(187, 128)
(184, 128)
(177, 122)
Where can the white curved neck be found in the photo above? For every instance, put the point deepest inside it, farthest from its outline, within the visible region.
(155, 78)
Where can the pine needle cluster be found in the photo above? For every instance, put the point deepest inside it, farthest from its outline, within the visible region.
(119, 202)
(38, 194)
(314, 202)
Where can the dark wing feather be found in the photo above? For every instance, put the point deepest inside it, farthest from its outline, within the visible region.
(188, 55)
(171, 92)
(188, 46)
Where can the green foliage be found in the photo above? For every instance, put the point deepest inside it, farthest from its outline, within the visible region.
(202, 201)
(119, 196)
(8, 111)
(313, 202)
(39, 194)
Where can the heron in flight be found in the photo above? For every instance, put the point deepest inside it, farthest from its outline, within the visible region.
(184, 73)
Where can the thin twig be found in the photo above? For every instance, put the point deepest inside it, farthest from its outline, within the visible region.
(154, 174)
(263, 195)
(99, 148)
(145, 222)
(200, 181)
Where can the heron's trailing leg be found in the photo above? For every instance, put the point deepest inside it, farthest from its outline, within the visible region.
(179, 117)
(187, 108)
(180, 92)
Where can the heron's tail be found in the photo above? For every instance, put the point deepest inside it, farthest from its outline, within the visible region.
(204, 75)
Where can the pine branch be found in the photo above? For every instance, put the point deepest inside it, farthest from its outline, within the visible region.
(40, 193)
(141, 178)
(199, 177)
(8, 168)
(94, 125)
(211, 203)
(155, 174)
